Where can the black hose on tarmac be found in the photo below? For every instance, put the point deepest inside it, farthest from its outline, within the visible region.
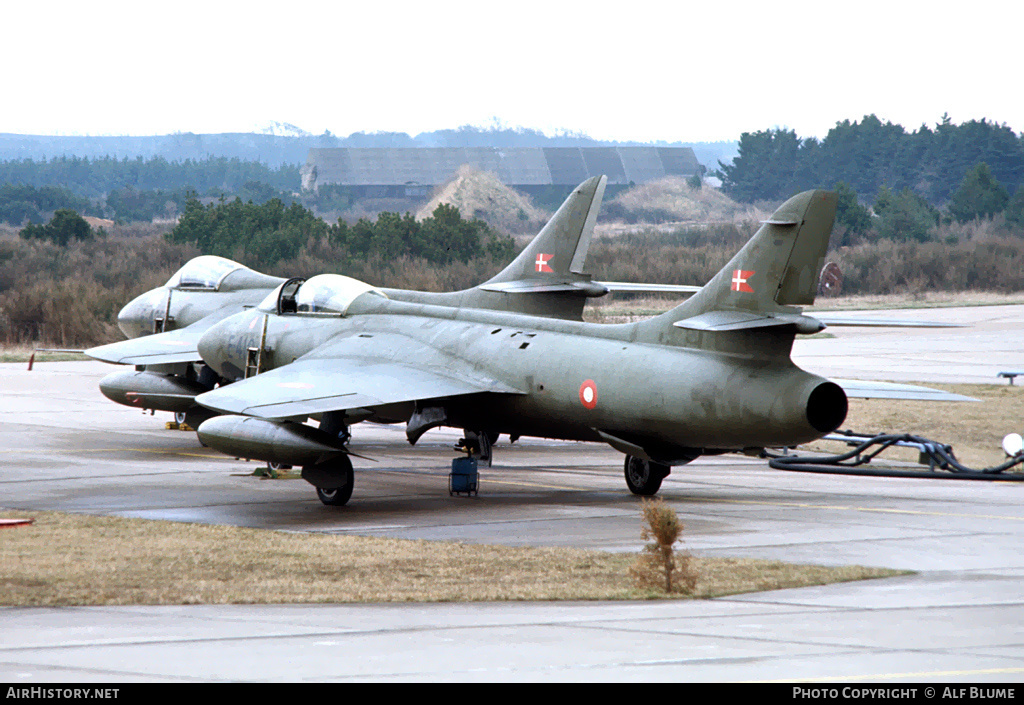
(941, 460)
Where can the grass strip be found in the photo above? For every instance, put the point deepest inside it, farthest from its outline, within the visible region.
(72, 559)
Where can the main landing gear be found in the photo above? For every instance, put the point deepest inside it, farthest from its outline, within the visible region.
(333, 480)
(643, 477)
(478, 444)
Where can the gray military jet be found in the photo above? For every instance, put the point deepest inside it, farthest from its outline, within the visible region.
(712, 375)
(164, 325)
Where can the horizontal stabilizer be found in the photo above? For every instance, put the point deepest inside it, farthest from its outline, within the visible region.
(743, 320)
(534, 286)
(890, 390)
(590, 288)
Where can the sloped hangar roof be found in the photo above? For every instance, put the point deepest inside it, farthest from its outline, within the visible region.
(520, 166)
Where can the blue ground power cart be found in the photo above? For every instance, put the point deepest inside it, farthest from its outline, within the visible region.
(463, 477)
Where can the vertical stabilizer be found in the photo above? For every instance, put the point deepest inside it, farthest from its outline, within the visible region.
(558, 253)
(776, 270)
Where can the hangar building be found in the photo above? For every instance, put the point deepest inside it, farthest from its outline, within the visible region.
(405, 172)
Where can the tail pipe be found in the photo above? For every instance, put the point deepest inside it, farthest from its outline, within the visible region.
(827, 407)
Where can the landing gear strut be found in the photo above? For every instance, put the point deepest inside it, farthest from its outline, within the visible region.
(478, 444)
(643, 477)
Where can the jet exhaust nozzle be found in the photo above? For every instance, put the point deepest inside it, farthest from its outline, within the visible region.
(286, 442)
(151, 390)
(826, 407)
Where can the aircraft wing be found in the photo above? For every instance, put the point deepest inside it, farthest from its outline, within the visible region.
(890, 390)
(162, 348)
(344, 377)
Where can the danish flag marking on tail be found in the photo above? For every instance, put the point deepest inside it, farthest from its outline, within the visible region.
(739, 281)
(542, 263)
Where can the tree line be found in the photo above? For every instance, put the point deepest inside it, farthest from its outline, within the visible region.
(94, 178)
(872, 154)
(261, 235)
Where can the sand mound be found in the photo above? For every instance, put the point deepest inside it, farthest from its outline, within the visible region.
(479, 194)
(672, 199)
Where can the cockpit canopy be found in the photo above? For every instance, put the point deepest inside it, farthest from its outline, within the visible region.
(324, 294)
(204, 273)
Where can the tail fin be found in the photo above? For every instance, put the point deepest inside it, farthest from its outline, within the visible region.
(555, 258)
(776, 270)
(547, 278)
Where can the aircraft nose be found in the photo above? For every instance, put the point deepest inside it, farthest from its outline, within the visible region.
(136, 318)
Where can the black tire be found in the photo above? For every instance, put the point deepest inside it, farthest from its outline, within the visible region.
(338, 496)
(644, 477)
(334, 498)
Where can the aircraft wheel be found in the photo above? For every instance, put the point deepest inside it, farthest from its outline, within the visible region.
(339, 495)
(334, 498)
(644, 477)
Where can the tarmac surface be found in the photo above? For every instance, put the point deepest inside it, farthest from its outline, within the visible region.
(959, 617)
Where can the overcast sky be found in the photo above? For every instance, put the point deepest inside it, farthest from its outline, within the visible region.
(633, 70)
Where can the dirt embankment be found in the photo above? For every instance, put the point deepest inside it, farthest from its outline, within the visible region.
(670, 202)
(479, 194)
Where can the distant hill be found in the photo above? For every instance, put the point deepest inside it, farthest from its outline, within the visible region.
(271, 150)
(291, 146)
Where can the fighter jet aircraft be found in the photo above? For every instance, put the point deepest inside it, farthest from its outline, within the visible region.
(712, 375)
(164, 325)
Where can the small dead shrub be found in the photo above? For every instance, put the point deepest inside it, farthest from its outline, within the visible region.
(660, 567)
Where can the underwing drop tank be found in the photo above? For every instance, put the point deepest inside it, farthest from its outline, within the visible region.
(285, 442)
(151, 390)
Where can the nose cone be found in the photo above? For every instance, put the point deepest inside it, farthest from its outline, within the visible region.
(136, 318)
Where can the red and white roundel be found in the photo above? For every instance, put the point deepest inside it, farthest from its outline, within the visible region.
(588, 394)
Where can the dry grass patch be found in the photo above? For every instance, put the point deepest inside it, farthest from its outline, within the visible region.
(70, 559)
